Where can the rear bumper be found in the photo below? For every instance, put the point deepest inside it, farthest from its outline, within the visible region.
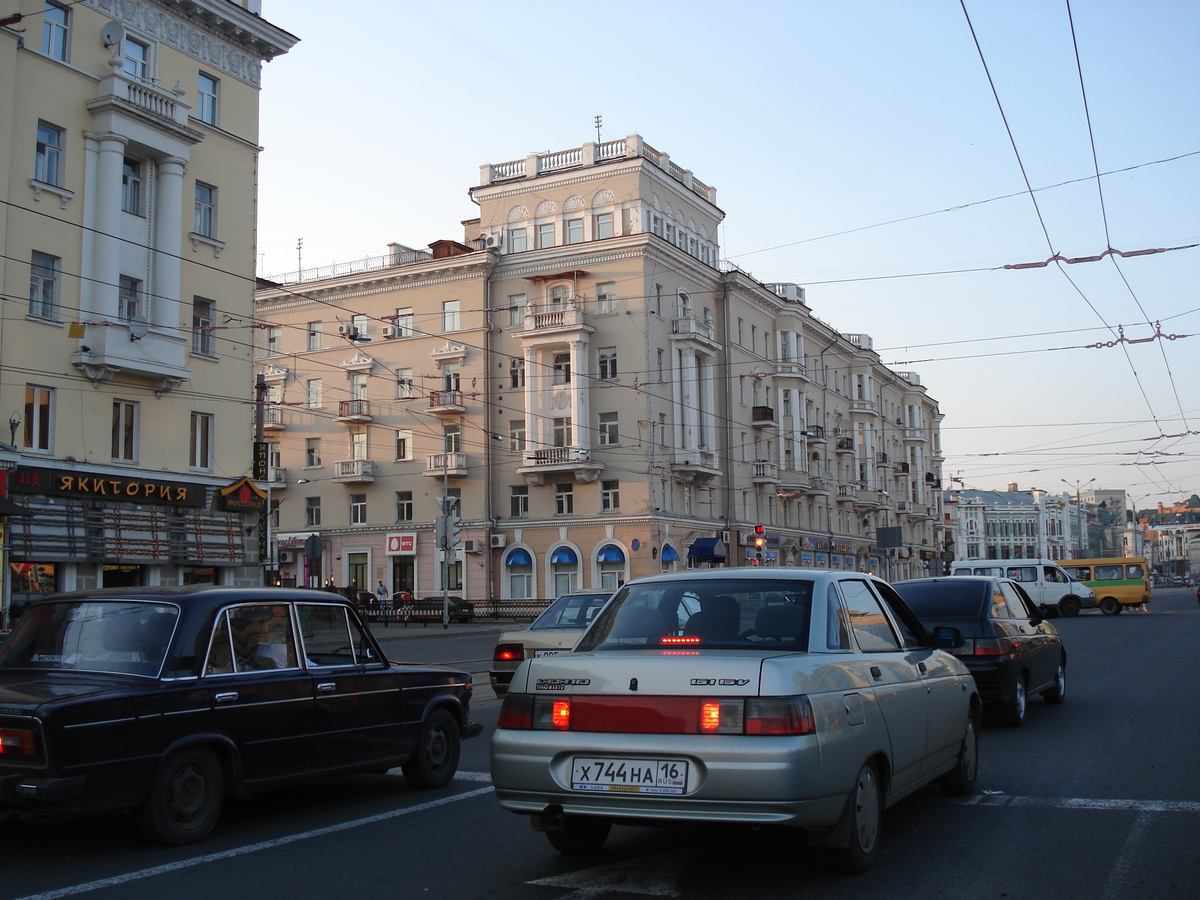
(36, 791)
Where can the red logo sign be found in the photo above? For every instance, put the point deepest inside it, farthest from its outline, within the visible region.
(401, 544)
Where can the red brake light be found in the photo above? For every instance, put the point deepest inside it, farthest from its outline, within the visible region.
(672, 641)
(516, 712)
(789, 715)
(508, 653)
(17, 741)
(560, 715)
(988, 647)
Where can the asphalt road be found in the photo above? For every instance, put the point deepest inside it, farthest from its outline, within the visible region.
(1096, 799)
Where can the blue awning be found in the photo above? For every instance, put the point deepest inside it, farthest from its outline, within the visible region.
(610, 553)
(669, 554)
(564, 555)
(519, 557)
(707, 548)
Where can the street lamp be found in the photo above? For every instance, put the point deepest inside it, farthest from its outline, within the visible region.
(1078, 510)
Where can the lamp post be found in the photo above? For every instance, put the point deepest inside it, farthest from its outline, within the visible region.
(1078, 510)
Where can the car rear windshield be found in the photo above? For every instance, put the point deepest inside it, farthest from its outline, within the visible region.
(944, 599)
(755, 613)
(125, 636)
(570, 611)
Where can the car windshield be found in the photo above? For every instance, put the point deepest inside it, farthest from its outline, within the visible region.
(755, 613)
(570, 612)
(125, 636)
(944, 599)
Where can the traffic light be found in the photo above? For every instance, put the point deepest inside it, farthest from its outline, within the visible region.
(453, 529)
(439, 532)
(760, 539)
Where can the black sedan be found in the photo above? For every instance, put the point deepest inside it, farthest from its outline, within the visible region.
(1009, 648)
(165, 700)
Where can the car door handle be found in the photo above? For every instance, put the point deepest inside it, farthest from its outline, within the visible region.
(921, 666)
(876, 673)
(226, 696)
(326, 687)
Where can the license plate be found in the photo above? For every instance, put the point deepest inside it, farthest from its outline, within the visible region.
(629, 776)
(550, 652)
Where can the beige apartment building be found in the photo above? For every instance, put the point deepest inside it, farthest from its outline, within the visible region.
(128, 160)
(605, 397)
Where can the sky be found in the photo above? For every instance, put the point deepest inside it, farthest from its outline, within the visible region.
(894, 158)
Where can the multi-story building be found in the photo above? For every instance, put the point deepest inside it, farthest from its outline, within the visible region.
(1009, 524)
(1172, 537)
(605, 398)
(128, 159)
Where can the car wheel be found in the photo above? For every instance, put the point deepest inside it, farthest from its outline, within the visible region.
(580, 835)
(1014, 709)
(960, 781)
(866, 814)
(185, 799)
(435, 760)
(1058, 693)
(1069, 606)
(1110, 606)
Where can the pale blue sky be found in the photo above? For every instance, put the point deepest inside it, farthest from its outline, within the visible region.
(855, 148)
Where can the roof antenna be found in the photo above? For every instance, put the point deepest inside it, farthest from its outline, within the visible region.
(599, 120)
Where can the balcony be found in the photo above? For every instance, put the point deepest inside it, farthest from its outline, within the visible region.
(354, 471)
(273, 418)
(762, 417)
(277, 478)
(916, 435)
(354, 411)
(818, 487)
(696, 331)
(557, 325)
(901, 468)
(815, 434)
(446, 465)
(846, 492)
(881, 459)
(870, 498)
(574, 461)
(446, 403)
(765, 473)
(844, 445)
(695, 464)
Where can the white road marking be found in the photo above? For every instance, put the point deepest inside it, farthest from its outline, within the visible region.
(1084, 803)
(1119, 876)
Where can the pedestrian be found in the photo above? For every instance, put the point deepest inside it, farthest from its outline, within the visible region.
(382, 592)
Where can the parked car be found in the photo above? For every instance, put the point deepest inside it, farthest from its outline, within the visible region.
(165, 700)
(759, 697)
(429, 609)
(555, 631)
(1009, 648)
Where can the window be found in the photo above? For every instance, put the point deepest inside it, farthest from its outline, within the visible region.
(608, 429)
(564, 499)
(358, 509)
(871, 627)
(658, 294)
(404, 506)
(200, 453)
(516, 371)
(606, 298)
(610, 496)
(137, 58)
(206, 210)
(602, 226)
(404, 444)
(48, 167)
(358, 443)
(450, 315)
(518, 501)
(43, 285)
(662, 429)
(560, 294)
(313, 389)
(314, 335)
(360, 327)
(129, 298)
(405, 322)
(661, 362)
(39, 418)
(358, 386)
(274, 340)
(452, 438)
(516, 309)
(312, 512)
(55, 31)
(545, 235)
(562, 368)
(516, 435)
(203, 341)
(131, 186)
(404, 384)
(607, 357)
(518, 241)
(207, 98)
(562, 432)
(312, 453)
(574, 231)
(124, 431)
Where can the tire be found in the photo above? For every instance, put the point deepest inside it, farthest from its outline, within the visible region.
(1058, 693)
(865, 809)
(185, 799)
(1069, 606)
(1013, 711)
(960, 781)
(435, 760)
(1110, 606)
(580, 835)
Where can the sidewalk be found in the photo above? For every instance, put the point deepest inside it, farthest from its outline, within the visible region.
(397, 630)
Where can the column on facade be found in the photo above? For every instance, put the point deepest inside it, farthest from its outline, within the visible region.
(579, 397)
(533, 421)
(687, 398)
(163, 310)
(109, 172)
(705, 415)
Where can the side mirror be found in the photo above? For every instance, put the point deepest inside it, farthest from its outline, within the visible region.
(947, 638)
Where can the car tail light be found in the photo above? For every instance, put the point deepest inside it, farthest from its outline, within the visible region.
(509, 653)
(722, 716)
(658, 715)
(786, 715)
(17, 742)
(516, 711)
(988, 647)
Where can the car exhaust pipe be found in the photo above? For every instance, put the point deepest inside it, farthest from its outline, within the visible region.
(551, 818)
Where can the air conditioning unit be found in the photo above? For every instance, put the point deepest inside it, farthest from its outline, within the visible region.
(389, 331)
(472, 546)
(725, 538)
(287, 556)
(492, 241)
(499, 540)
(345, 329)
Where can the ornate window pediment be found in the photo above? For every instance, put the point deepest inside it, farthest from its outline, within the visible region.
(449, 353)
(275, 374)
(360, 362)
